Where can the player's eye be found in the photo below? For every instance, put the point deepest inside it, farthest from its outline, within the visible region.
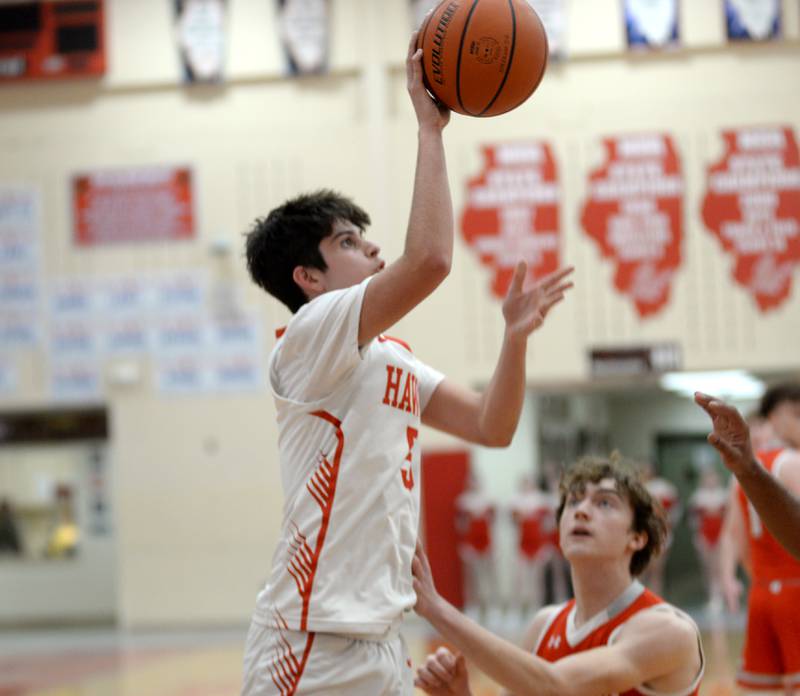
(348, 242)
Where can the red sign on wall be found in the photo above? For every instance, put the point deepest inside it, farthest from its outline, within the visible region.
(512, 211)
(133, 205)
(634, 212)
(753, 208)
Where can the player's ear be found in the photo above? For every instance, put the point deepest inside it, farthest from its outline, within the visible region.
(309, 280)
(638, 540)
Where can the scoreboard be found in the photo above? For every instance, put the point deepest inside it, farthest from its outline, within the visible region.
(51, 39)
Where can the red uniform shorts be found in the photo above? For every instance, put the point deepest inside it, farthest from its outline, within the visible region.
(771, 660)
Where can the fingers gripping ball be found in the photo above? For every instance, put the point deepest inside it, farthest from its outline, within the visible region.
(483, 57)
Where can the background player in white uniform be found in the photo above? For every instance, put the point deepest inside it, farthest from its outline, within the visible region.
(349, 405)
(533, 513)
(475, 517)
(666, 494)
(706, 509)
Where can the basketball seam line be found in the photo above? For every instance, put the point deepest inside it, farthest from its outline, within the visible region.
(510, 57)
(458, 61)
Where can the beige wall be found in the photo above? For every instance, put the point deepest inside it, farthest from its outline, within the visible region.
(197, 491)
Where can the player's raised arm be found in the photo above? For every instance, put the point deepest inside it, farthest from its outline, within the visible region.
(426, 258)
(490, 418)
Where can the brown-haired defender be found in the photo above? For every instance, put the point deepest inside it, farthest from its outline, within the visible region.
(614, 637)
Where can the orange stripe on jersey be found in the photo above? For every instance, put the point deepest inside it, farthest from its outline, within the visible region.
(279, 332)
(304, 561)
(769, 559)
(383, 338)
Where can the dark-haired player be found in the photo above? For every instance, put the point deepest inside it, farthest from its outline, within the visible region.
(350, 401)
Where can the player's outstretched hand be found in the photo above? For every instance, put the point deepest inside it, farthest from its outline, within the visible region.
(427, 596)
(525, 309)
(730, 435)
(429, 113)
(443, 674)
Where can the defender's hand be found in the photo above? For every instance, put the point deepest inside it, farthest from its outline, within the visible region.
(427, 596)
(730, 436)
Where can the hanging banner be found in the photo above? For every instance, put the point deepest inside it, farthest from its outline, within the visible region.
(304, 33)
(651, 23)
(554, 18)
(76, 381)
(200, 34)
(634, 212)
(512, 212)
(752, 207)
(133, 206)
(753, 20)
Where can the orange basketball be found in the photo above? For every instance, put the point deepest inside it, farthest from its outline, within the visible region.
(483, 57)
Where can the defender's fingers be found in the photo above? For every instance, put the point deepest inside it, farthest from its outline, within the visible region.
(722, 446)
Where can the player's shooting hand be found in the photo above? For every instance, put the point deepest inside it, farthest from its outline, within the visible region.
(429, 112)
(443, 674)
(730, 435)
(525, 309)
(427, 596)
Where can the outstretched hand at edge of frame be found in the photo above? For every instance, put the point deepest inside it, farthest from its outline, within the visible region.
(730, 435)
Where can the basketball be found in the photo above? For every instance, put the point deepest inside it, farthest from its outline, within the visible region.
(483, 58)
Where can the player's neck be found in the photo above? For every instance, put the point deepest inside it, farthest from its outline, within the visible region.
(597, 585)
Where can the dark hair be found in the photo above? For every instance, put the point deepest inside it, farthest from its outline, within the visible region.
(648, 515)
(776, 395)
(289, 237)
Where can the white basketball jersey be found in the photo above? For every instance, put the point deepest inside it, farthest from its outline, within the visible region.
(348, 422)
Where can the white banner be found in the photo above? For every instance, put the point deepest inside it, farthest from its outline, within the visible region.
(651, 23)
(753, 20)
(304, 31)
(200, 27)
(554, 17)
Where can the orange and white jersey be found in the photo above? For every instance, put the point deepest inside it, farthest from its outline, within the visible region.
(707, 507)
(475, 515)
(348, 425)
(534, 514)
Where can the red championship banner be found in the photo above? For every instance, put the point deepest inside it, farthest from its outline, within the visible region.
(133, 205)
(752, 206)
(512, 211)
(634, 212)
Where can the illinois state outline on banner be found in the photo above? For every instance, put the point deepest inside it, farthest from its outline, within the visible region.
(752, 206)
(634, 212)
(512, 211)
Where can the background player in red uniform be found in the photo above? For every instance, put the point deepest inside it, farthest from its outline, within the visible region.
(771, 656)
(615, 637)
(475, 515)
(533, 513)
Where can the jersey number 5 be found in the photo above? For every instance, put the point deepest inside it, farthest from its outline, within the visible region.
(408, 474)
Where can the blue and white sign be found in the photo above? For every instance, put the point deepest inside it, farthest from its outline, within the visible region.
(753, 20)
(651, 23)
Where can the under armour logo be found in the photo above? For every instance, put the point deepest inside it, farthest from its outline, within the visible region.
(554, 643)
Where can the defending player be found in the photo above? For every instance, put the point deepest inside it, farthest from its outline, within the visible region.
(615, 637)
(771, 655)
(349, 402)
